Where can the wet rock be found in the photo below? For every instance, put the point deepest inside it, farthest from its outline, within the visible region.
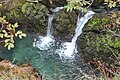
(64, 25)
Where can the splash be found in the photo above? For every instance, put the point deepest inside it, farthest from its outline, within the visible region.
(44, 43)
(69, 48)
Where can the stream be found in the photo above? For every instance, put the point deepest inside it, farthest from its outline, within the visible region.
(53, 60)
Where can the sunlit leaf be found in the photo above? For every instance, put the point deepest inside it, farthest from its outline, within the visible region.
(6, 44)
(16, 34)
(1, 35)
(24, 7)
(19, 32)
(15, 25)
(20, 36)
(23, 34)
(3, 31)
(12, 40)
(9, 47)
(7, 40)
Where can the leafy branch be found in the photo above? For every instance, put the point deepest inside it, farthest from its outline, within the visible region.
(8, 33)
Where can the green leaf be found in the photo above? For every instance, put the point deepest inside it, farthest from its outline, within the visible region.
(117, 45)
(24, 7)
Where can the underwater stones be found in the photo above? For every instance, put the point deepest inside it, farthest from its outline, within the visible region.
(64, 25)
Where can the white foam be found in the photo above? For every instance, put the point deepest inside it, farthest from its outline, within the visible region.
(43, 43)
(68, 49)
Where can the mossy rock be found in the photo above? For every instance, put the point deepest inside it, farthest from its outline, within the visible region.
(31, 16)
(64, 25)
(99, 40)
(37, 17)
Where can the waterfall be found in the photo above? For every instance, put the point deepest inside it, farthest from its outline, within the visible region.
(49, 27)
(69, 48)
(45, 42)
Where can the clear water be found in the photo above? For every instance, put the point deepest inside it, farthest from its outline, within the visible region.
(48, 62)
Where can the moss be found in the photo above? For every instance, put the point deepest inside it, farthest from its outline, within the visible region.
(65, 23)
(100, 39)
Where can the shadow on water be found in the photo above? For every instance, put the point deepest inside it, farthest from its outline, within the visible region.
(47, 62)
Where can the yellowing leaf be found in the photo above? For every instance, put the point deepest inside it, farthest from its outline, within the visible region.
(16, 34)
(1, 35)
(11, 45)
(15, 25)
(3, 31)
(23, 34)
(19, 32)
(6, 44)
(7, 40)
(20, 36)
(12, 40)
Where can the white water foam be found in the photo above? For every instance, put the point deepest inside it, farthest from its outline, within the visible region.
(69, 48)
(44, 43)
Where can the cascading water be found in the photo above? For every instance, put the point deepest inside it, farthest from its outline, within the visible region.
(69, 48)
(48, 62)
(49, 28)
(44, 43)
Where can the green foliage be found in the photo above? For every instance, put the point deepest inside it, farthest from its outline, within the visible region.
(97, 22)
(78, 5)
(108, 44)
(107, 41)
(84, 4)
(112, 3)
(8, 32)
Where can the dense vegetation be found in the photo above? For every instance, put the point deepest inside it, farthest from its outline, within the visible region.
(31, 15)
